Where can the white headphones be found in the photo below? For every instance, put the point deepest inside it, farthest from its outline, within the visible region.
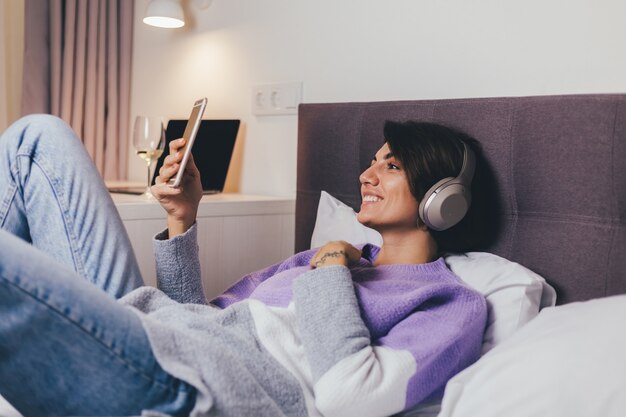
(446, 203)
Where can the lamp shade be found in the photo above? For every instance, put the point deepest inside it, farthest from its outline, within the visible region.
(164, 14)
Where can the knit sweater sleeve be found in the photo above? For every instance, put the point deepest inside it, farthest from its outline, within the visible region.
(178, 266)
(354, 375)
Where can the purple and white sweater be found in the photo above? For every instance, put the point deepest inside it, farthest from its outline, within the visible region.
(295, 341)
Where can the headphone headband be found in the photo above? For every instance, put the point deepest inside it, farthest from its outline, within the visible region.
(469, 165)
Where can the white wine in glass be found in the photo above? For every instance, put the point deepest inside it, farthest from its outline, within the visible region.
(149, 142)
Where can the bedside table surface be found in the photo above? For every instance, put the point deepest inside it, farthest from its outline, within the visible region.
(233, 204)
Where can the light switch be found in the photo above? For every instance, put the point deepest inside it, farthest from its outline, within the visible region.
(276, 99)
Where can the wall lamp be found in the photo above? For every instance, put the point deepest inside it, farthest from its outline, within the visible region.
(169, 13)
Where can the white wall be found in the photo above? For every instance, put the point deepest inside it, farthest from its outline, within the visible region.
(361, 50)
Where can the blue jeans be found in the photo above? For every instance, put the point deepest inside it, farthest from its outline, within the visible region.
(67, 347)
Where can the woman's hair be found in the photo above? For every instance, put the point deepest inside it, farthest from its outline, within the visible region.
(429, 153)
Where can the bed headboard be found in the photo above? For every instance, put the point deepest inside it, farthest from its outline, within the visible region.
(559, 164)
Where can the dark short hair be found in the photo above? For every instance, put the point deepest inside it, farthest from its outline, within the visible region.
(430, 152)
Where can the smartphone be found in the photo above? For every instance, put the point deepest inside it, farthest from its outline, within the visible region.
(190, 135)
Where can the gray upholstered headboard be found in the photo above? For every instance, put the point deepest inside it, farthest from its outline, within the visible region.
(559, 163)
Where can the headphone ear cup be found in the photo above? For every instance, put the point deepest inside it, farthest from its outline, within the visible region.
(445, 204)
(428, 198)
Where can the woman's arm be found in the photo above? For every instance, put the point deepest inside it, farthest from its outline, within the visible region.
(178, 266)
(353, 375)
(176, 249)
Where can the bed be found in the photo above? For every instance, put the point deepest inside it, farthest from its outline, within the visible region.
(560, 169)
(559, 164)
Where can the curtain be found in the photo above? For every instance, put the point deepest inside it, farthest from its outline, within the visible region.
(11, 53)
(4, 105)
(77, 66)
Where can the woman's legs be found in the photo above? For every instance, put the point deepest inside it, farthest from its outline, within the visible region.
(52, 196)
(66, 348)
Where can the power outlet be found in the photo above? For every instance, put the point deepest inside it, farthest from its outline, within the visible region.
(276, 99)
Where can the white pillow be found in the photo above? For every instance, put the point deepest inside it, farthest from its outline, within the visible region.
(514, 293)
(337, 221)
(570, 361)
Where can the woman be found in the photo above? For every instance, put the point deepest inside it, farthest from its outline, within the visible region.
(334, 331)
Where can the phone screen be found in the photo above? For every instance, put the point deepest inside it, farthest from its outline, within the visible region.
(190, 135)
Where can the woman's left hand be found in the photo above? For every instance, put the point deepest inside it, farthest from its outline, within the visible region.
(336, 253)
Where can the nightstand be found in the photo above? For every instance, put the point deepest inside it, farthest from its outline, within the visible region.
(237, 234)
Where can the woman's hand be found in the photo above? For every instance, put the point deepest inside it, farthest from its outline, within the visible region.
(181, 204)
(336, 253)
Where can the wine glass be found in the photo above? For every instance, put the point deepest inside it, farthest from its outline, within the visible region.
(149, 142)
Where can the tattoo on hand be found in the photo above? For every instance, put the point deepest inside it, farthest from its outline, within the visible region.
(330, 255)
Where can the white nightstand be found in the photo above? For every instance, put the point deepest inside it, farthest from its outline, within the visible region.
(237, 234)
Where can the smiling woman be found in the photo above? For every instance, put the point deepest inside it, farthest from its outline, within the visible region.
(333, 331)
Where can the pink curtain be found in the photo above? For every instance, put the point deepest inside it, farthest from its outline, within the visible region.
(80, 67)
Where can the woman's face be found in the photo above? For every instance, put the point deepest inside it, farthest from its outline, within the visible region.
(387, 202)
